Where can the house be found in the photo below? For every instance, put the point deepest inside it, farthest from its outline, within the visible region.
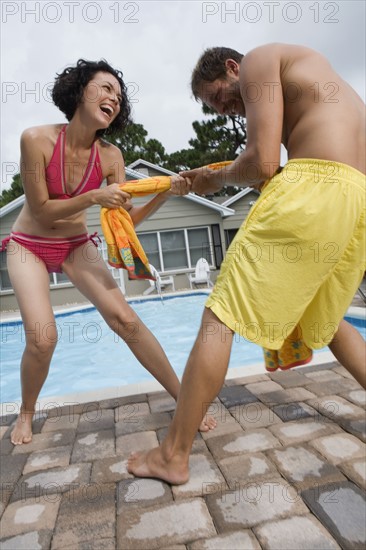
(183, 230)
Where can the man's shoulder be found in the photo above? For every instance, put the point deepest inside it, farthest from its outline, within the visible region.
(278, 49)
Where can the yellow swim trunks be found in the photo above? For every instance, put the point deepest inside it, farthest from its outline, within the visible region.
(299, 257)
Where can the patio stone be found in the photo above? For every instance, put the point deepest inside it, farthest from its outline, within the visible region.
(300, 431)
(87, 514)
(289, 379)
(358, 397)
(225, 424)
(115, 402)
(320, 376)
(355, 427)
(237, 443)
(236, 395)
(240, 540)
(254, 504)
(52, 482)
(11, 415)
(343, 372)
(98, 544)
(260, 388)
(6, 447)
(296, 533)
(102, 419)
(130, 412)
(141, 441)
(161, 403)
(57, 423)
(3, 430)
(316, 368)
(70, 409)
(160, 526)
(290, 412)
(142, 493)
(204, 477)
(284, 396)
(11, 468)
(333, 387)
(29, 541)
(93, 446)
(241, 470)
(110, 470)
(342, 510)
(339, 447)
(304, 467)
(29, 515)
(143, 423)
(242, 380)
(254, 415)
(337, 408)
(356, 471)
(47, 440)
(49, 458)
(299, 394)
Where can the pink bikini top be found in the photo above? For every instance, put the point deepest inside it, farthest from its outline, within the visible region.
(55, 171)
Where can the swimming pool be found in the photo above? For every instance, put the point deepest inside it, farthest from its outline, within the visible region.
(89, 356)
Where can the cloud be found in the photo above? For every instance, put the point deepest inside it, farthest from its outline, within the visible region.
(156, 45)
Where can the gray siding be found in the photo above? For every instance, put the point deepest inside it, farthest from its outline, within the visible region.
(7, 222)
(241, 207)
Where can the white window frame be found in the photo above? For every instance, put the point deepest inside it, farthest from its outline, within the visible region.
(186, 240)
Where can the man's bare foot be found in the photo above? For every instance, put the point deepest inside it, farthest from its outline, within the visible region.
(153, 464)
(208, 423)
(22, 432)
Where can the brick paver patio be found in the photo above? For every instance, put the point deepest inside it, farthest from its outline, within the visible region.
(284, 469)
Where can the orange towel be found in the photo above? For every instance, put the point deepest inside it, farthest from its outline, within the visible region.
(293, 353)
(123, 247)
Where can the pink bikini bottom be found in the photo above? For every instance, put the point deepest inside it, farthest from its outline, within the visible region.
(51, 250)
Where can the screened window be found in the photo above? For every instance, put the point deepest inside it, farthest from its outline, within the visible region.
(178, 249)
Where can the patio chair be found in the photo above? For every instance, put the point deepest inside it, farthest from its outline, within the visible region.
(201, 274)
(160, 282)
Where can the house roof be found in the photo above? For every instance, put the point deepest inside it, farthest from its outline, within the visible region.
(134, 174)
(239, 195)
(151, 165)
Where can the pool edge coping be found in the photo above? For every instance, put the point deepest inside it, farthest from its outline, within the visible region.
(141, 388)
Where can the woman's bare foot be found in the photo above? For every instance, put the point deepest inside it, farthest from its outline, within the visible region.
(153, 464)
(22, 431)
(208, 423)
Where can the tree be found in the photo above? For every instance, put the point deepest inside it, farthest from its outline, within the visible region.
(15, 191)
(134, 145)
(217, 139)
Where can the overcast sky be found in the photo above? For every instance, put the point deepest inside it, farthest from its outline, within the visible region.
(156, 45)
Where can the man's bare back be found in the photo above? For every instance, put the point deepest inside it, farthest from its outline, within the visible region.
(319, 108)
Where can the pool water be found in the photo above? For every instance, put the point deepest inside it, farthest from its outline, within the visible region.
(89, 356)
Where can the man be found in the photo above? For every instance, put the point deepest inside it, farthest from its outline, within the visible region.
(300, 255)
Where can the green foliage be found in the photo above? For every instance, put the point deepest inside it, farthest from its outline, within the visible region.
(15, 191)
(217, 139)
(134, 145)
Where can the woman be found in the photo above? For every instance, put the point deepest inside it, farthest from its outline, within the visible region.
(62, 168)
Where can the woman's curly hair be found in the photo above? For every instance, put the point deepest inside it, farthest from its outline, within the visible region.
(69, 87)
